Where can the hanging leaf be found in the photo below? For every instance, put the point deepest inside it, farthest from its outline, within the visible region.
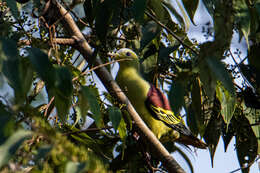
(114, 116)
(176, 96)
(213, 130)
(62, 92)
(164, 52)
(246, 143)
(196, 105)
(227, 133)
(184, 15)
(219, 70)
(157, 8)
(254, 118)
(139, 8)
(149, 32)
(13, 8)
(227, 101)
(90, 8)
(90, 95)
(16, 69)
(167, 4)
(104, 15)
(191, 7)
(26, 75)
(42, 65)
(122, 129)
(242, 16)
(208, 79)
(6, 124)
(9, 148)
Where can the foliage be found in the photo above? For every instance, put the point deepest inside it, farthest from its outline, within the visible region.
(48, 90)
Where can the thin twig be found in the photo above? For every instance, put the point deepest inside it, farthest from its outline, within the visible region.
(47, 106)
(248, 165)
(99, 66)
(169, 31)
(88, 130)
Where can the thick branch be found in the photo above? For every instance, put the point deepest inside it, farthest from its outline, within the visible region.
(83, 47)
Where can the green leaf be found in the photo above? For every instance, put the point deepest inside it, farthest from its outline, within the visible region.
(62, 91)
(191, 7)
(208, 79)
(176, 96)
(9, 148)
(6, 124)
(122, 129)
(157, 8)
(149, 32)
(90, 95)
(246, 142)
(13, 6)
(227, 101)
(78, 116)
(138, 9)
(242, 17)
(42, 65)
(164, 52)
(227, 134)
(219, 70)
(16, 69)
(213, 130)
(167, 4)
(75, 167)
(196, 118)
(104, 15)
(115, 116)
(90, 8)
(253, 117)
(26, 75)
(184, 15)
(9, 47)
(63, 81)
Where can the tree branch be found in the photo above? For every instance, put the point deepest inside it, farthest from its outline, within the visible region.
(84, 48)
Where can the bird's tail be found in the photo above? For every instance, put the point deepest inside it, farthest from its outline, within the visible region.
(191, 140)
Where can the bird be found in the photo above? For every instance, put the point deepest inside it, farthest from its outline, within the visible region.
(150, 102)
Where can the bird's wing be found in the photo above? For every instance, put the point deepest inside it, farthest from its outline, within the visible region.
(159, 106)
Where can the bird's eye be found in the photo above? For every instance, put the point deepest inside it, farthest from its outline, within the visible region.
(128, 54)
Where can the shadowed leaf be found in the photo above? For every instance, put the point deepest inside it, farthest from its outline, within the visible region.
(42, 65)
(213, 130)
(176, 96)
(139, 8)
(219, 70)
(191, 7)
(90, 95)
(115, 116)
(149, 32)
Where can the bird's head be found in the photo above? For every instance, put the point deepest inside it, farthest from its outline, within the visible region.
(126, 57)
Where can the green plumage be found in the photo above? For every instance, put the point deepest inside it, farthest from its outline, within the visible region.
(163, 123)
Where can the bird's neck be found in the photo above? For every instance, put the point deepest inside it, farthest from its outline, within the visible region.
(130, 79)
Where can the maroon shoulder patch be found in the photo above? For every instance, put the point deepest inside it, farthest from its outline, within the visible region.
(156, 97)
